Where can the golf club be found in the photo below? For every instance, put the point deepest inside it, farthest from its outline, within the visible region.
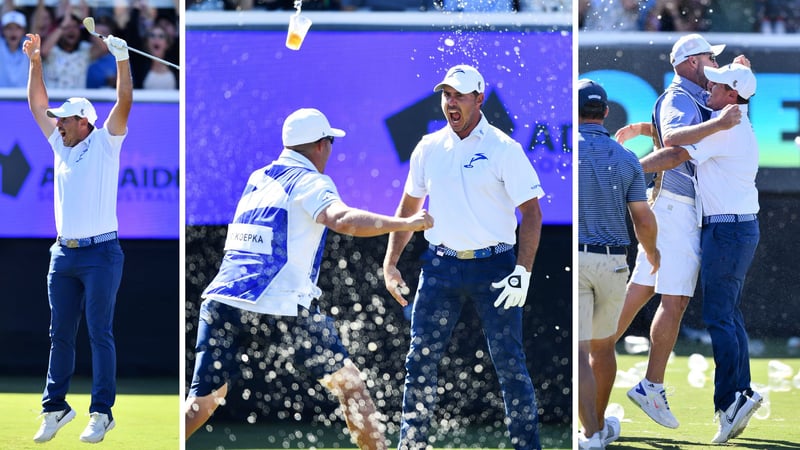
(88, 23)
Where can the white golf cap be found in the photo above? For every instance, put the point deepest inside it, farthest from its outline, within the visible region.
(464, 79)
(307, 125)
(692, 44)
(736, 76)
(75, 106)
(14, 17)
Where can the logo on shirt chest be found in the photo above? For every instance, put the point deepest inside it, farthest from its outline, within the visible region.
(476, 157)
(80, 157)
(83, 147)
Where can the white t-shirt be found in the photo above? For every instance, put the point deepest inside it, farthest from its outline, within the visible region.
(86, 180)
(67, 70)
(473, 185)
(727, 163)
(160, 80)
(274, 246)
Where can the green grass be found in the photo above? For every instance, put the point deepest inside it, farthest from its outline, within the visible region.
(693, 407)
(147, 415)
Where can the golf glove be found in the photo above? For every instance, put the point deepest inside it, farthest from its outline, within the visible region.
(515, 288)
(117, 47)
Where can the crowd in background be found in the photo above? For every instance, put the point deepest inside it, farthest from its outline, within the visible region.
(684, 16)
(74, 59)
(388, 5)
(764, 16)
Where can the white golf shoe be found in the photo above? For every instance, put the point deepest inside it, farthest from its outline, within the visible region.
(754, 398)
(654, 403)
(97, 428)
(52, 422)
(595, 442)
(611, 430)
(734, 417)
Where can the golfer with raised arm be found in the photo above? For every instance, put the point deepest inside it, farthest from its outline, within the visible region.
(86, 259)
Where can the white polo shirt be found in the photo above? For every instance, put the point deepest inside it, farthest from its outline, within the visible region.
(85, 185)
(474, 185)
(274, 246)
(727, 163)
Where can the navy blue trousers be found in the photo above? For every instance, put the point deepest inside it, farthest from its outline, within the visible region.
(226, 333)
(728, 250)
(83, 280)
(445, 285)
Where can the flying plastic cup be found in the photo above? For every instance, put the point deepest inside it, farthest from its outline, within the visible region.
(298, 28)
(615, 410)
(627, 379)
(636, 344)
(779, 375)
(765, 410)
(698, 362)
(697, 378)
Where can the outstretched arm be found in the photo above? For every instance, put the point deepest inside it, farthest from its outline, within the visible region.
(664, 159)
(358, 222)
(633, 130)
(728, 117)
(37, 92)
(117, 123)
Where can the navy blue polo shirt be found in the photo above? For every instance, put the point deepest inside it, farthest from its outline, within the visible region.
(609, 177)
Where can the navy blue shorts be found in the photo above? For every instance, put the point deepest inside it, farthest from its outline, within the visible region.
(231, 340)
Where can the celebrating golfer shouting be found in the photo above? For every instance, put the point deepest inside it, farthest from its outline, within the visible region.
(86, 259)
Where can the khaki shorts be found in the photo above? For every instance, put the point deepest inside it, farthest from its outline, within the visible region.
(679, 243)
(601, 294)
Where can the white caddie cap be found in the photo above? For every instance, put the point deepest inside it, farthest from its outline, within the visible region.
(14, 17)
(75, 106)
(737, 76)
(692, 44)
(464, 79)
(307, 125)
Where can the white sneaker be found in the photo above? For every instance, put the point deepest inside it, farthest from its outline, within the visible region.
(52, 422)
(611, 431)
(733, 417)
(754, 398)
(653, 403)
(593, 443)
(97, 428)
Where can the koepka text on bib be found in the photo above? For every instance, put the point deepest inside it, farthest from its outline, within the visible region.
(249, 238)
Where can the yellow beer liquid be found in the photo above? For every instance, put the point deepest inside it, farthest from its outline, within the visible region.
(293, 41)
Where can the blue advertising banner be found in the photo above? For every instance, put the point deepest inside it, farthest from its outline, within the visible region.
(377, 85)
(148, 198)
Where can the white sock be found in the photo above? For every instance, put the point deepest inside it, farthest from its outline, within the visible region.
(654, 386)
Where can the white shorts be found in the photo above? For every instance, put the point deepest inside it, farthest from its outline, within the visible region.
(601, 294)
(679, 243)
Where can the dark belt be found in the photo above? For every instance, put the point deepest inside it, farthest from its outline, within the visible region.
(441, 250)
(603, 249)
(86, 242)
(729, 218)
